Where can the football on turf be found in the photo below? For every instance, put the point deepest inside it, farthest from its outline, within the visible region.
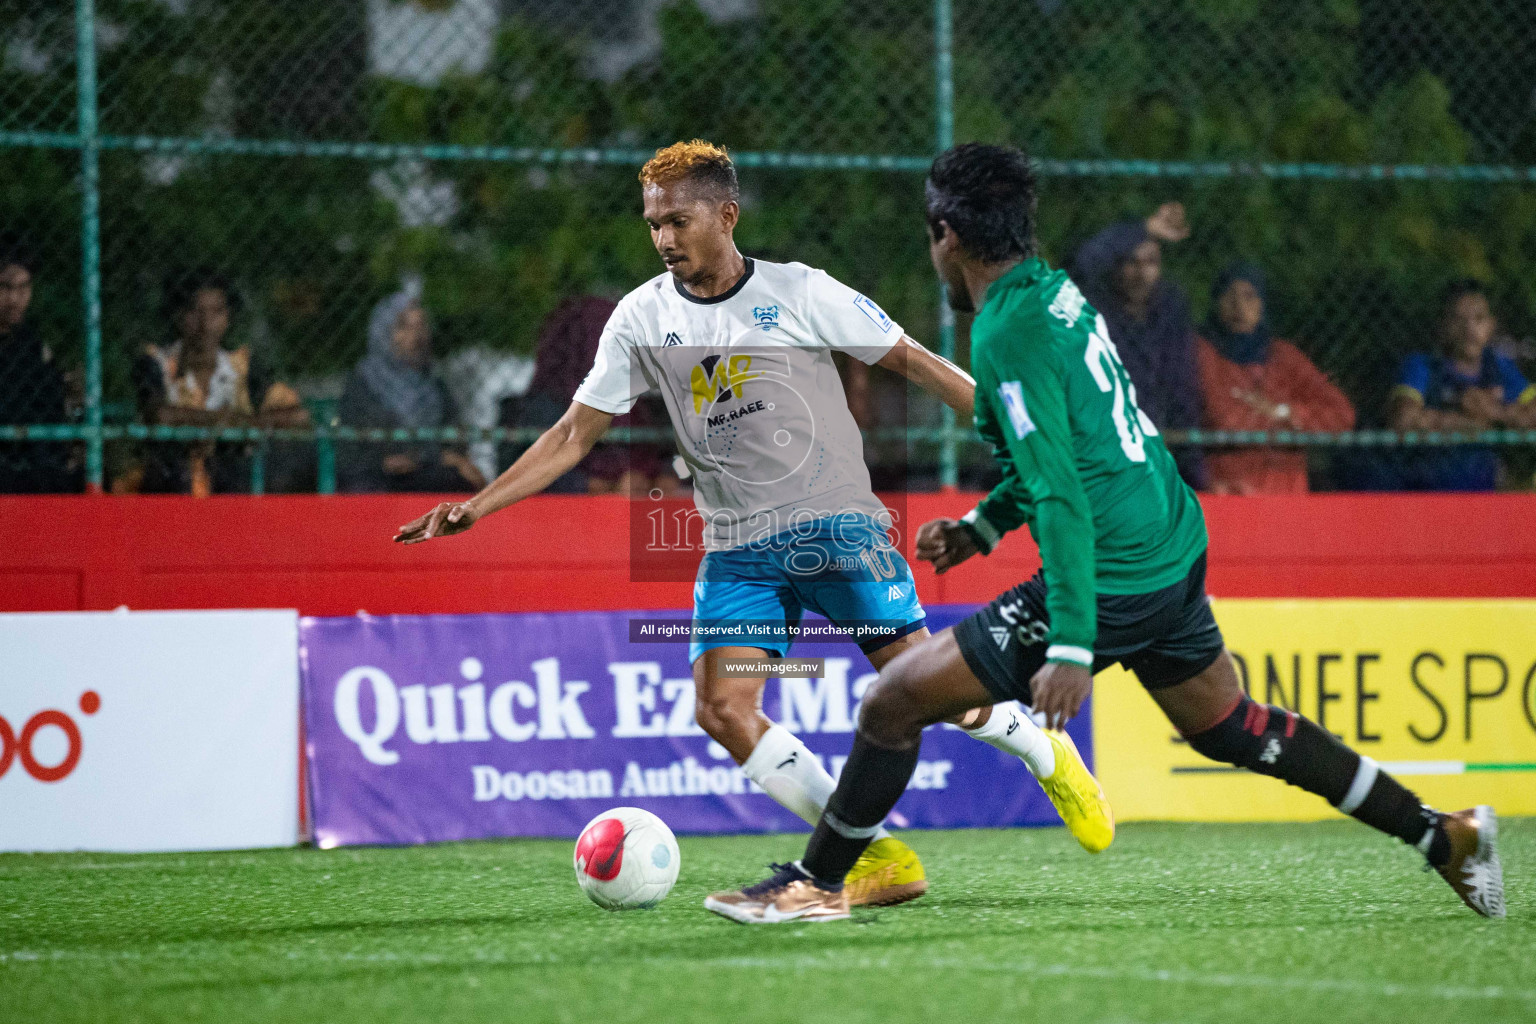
(626, 859)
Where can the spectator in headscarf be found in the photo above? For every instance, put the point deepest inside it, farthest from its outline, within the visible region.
(1254, 381)
(32, 388)
(567, 346)
(394, 387)
(1120, 271)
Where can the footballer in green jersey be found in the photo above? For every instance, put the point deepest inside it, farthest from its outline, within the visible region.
(1122, 543)
(1082, 465)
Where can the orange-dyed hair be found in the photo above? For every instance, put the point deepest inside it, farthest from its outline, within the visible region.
(695, 160)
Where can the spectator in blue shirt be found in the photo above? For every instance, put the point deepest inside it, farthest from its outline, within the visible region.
(1465, 386)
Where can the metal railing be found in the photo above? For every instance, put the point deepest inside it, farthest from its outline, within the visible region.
(90, 142)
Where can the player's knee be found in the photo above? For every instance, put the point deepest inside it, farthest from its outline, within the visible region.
(724, 713)
(715, 714)
(890, 714)
(1243, 737)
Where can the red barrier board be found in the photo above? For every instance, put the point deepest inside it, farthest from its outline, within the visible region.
(333, 555)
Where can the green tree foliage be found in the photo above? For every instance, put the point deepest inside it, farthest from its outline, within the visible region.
(314, 241)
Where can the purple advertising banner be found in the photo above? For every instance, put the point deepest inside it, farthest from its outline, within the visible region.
(442, 727)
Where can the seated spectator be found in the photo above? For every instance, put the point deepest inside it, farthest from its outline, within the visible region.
(890, 413)
(1253, 381)
(1120, 271)
(31, 389)
(567, 346)
(195, 381)
(394, 387)
(1464, 386)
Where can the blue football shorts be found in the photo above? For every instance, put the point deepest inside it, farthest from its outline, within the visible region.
(842, 567)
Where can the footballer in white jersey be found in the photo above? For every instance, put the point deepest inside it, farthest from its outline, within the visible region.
(775, 455)
(741, 353)
(751, 389)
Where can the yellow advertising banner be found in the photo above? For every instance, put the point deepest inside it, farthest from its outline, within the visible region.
(1441, 692)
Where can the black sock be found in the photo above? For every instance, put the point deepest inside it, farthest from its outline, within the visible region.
(1394, 809)
(873, 779)
(1276, 742)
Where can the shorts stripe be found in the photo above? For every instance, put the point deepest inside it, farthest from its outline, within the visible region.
(886, 639)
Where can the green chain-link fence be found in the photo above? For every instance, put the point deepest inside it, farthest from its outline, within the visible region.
(314, 154)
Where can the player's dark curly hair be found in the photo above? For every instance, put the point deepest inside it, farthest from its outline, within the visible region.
(987, 195)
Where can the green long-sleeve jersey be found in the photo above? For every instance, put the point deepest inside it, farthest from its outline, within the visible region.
(1082, 465)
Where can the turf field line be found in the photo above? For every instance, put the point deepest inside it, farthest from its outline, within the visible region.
(1238, 981)
(125, 865)
(216, 861)
(1081, 971)
(840, 961)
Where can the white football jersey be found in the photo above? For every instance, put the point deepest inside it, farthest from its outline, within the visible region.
(749, 383)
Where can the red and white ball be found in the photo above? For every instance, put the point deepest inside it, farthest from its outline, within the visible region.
(626, 859)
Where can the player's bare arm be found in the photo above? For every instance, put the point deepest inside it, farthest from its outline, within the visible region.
(933, 373)
(555, 453)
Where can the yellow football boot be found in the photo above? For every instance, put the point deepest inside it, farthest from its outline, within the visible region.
(1077, 796)
(887, 873)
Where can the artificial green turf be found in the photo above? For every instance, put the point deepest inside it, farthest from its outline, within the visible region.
(1176, 923)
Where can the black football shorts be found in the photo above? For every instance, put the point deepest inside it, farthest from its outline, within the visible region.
(1165, 637)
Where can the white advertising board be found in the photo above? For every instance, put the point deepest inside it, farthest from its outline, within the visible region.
(138, 731)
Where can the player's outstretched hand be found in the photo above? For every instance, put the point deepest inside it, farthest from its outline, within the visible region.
(447, 519)
(946, 543)
(1058, 691)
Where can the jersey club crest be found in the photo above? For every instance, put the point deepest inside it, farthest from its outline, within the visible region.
(767, 317)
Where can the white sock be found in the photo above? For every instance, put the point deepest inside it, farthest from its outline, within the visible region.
(790, 773)
(1012, 731)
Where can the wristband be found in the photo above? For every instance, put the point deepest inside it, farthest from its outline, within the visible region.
(1066, 652)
